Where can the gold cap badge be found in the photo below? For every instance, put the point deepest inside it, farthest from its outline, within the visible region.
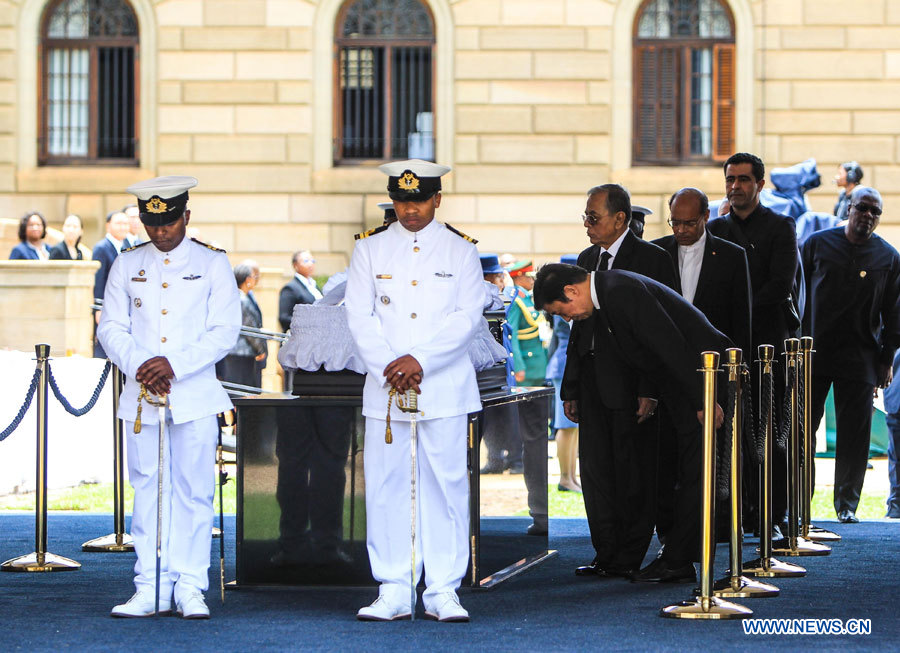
(408, 181)
(156, 205)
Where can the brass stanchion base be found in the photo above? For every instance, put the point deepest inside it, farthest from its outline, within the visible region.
(773, 568)
(804, 548)
(216, 532)
(743, 587)
(818, 534)
(711, 608)
(111, 543)
(30, 563)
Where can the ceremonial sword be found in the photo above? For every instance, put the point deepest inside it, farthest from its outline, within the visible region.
(411, 406)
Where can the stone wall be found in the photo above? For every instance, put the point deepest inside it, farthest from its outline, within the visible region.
(534, 93)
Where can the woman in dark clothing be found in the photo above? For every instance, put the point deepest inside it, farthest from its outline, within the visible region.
(242, 364)
(69, 248)
(32, 231)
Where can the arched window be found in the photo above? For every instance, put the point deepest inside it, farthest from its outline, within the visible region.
(384, 92)
(88, 71)
(683, 82)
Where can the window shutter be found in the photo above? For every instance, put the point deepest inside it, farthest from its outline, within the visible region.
(723, 101)
(656, 129)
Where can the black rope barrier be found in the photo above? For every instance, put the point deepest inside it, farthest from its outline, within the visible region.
(784, 428)
(24, 409)
(749, 442)
(723, 447)
(801, 406)
(765, 407)
(78, 412)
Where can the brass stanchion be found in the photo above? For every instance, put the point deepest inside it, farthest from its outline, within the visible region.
(766, 566)
(118, 541)
(793, 544)
(807, 529)
(41, 560)
(707, 606)
(735, 584)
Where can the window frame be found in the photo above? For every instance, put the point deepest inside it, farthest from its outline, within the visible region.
(389, 44)
(684, 46)
(92, 45)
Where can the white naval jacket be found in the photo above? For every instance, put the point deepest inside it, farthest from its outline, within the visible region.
(183, 305)
(419, 294)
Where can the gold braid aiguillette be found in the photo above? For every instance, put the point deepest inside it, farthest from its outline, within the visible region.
(142, 395)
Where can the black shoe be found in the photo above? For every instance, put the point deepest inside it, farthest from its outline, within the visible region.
(493, 467)
(621, 571)
(516, 468)
(847, 516)
(593, 569)
(893, 513)
(537, 529)
(661, 571)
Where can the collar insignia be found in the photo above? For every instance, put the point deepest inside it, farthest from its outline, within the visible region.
(156, 205)
(408, 182)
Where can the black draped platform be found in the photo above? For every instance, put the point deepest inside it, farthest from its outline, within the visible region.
(545, 609)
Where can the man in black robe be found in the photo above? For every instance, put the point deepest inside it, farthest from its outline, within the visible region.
(853, 286)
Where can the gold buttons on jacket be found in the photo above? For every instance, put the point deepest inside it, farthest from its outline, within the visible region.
(165, 285)
(415, 249)
(163, 339)
(166, 261)
(415, 283)
(165, 311)
(413, 316)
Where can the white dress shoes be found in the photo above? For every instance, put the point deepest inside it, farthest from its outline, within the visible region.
(141, 605)
(193, 606)
(382, 610)
(445, 607)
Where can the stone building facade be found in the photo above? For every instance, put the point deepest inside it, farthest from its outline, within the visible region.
(533, 104)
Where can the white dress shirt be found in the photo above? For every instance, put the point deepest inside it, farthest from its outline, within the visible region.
(690, 260)
(613, 250)
(310, 285)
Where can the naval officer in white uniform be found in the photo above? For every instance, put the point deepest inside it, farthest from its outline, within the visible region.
(414, 300)
(170, 311)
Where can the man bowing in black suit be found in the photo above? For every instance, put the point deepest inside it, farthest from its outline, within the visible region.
(642, 329)
(301, 289)
(607, 215)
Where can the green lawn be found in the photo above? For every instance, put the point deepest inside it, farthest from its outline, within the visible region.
(98, 498)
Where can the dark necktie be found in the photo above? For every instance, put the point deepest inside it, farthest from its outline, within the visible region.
(603, 265)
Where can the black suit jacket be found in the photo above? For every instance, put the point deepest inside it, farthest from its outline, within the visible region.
(106, 253)
(644, 329)
(293, 293)
(634, 255)
(770, 242)
(59, 252)
(723, 289)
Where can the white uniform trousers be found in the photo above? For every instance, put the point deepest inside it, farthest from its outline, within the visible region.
(442, 519)
(188, 488)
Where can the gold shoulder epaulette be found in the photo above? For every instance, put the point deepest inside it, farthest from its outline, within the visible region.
(461, 234)
(370, 232)
(208, 246)
(134, 247)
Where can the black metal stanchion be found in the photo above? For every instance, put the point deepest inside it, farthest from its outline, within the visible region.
(707, 606)
(767, 566)
(118, 541)
(40, 559)
(807, 529)
(735, 584)
(793, 544)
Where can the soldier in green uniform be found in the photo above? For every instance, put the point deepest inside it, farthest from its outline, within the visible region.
(525, 327)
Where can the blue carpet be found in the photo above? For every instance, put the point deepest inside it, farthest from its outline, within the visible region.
(546, 609)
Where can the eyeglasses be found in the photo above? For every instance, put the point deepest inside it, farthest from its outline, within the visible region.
(684, 224)
(591, 218)
(867, 208)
